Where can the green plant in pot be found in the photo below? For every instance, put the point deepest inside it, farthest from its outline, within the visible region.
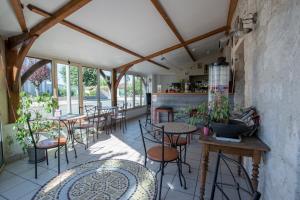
(30, 108)
(197, 116)
(220, 121)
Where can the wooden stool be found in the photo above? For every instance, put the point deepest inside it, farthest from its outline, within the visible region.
(168, 110)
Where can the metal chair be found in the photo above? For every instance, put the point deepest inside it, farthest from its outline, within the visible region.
(47, 143)
(160, 152)
(241, 191)
(88, 123)
(119, 114)
(102, 120)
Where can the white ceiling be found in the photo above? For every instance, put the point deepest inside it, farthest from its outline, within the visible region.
(134, 24)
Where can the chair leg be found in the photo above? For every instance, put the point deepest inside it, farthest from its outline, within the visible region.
(145, 161)
(35, 163)
(179, 175)
(180, 166)
(66, 153)
(87, 138)
(58, 160)
(94, 137)
(47, 157)
(161, 179)
(125, 123)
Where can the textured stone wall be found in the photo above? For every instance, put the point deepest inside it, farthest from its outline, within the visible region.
(272, 81)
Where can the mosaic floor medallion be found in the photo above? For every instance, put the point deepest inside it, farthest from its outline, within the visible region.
(102, 179)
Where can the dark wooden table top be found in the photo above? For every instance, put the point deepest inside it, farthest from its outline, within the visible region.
(248, 143)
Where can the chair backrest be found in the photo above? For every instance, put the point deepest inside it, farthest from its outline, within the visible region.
(238, 186)
(153, 134)
(34, 124)
(90, 112)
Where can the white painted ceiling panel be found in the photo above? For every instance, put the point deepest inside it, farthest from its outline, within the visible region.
(134, 24)
(205, 47)
(196, 17)
(63, 43)
(149, 68)
(175, 59)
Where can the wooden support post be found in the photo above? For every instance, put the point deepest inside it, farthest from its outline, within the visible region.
(13, 89)
(114, 88)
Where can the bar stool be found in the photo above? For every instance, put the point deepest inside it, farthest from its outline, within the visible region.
(168, 110)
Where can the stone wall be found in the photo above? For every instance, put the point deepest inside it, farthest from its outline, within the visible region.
(272, 80)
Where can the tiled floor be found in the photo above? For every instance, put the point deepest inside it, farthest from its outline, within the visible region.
(17, 180)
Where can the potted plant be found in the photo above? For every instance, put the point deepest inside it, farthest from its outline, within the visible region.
(30, 108)
(220, 122)
(197, 116)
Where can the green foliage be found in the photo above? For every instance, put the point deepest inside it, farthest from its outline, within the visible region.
(26, 111)
(196, 115)
(73, 75)
(220, 110)
(89, 77)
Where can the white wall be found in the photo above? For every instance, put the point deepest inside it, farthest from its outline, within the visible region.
(272, 80)
(190, 69)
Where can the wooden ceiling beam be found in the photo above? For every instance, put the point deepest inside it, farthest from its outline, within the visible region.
(92, 35)
(231, 10)
(18, 9)
(49, 22)
(174, 47)
(171, 25)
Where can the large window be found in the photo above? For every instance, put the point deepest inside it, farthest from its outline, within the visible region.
(68, 88)
(105, 86)
(144, 90)
(121, 92)
(94, 89)
(37, 82)
(90, 90)
(137, 91)
(129, 91)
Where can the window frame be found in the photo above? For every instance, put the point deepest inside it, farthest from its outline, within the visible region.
(54, 73)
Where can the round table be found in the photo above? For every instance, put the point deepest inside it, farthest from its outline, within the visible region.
(69, 121)
(172, 129)
(177, 128)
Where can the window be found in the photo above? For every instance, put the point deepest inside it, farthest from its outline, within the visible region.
(129, 91)
(144, 90)
(68, 88)
(90, 90)
(137, 91)
(121, 92)
(105, 84)
(39, 82)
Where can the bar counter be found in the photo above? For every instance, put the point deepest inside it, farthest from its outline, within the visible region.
(178, 101)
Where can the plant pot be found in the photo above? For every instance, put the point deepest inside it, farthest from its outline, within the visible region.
(233, 129)
(41, 155)
(205, 131)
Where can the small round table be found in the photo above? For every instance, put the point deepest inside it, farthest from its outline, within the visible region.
(177, 128)
(173, 129)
